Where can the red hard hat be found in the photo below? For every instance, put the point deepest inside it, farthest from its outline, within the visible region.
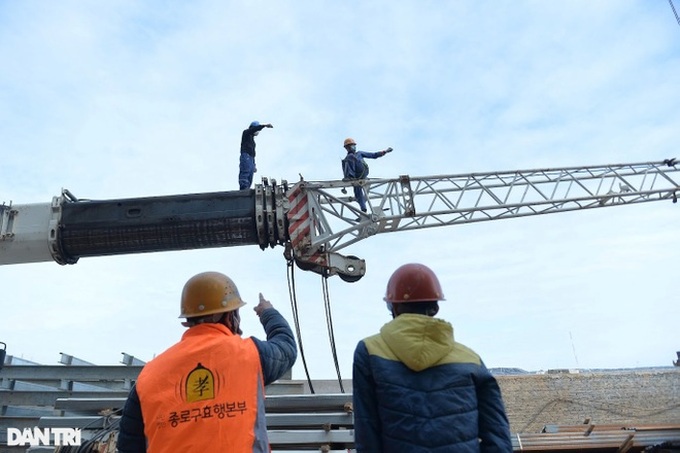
(413, 283)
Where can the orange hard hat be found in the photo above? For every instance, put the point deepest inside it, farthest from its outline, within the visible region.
(349, 141)
(209, 293)
(413, 282)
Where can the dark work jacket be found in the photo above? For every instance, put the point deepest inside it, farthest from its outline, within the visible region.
(417, 390)
(353, 165)
(277, 356)
(248, 139)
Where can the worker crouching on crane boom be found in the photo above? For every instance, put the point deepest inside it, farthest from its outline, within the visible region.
(415, 389)
(206, 393)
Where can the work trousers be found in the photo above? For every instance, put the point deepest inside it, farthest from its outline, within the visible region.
(246, 170)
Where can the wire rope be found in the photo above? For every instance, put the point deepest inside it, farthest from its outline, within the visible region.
(111, 426)
(329, 325)
(674, 11)
(296, 319)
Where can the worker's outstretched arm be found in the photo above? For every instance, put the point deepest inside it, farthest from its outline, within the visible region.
(278, 353)
(375, 155)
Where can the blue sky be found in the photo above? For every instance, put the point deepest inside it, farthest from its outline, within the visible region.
(130, 99)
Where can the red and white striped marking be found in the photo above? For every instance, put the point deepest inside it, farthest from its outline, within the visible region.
(299, 222)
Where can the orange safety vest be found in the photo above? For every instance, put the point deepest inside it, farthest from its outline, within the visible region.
(204, 394)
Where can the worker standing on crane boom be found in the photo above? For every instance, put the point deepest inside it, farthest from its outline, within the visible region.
(354, 167)
(247, 166)
(206, 393)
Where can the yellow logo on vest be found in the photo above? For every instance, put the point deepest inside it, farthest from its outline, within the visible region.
(200, 384)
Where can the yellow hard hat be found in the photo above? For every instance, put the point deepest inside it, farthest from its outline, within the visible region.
(349, 141)
(208, 293)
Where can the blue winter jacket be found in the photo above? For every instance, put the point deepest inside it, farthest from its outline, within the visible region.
(277, 356)
(354, 166)
(417, 390)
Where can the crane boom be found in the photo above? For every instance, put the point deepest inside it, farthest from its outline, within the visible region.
(69, 228)
(314, 220)
(329, 221)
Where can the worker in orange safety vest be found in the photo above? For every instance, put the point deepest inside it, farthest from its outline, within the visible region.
(206, 393)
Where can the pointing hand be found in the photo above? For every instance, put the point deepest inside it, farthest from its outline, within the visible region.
(262, 306)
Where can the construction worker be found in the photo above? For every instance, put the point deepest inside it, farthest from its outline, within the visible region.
(354, 167)
(415, 389)
(247, 165)
(206, 393)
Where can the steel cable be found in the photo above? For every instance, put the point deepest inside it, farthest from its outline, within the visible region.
(329, 325)
(674, 11)
(296, 320)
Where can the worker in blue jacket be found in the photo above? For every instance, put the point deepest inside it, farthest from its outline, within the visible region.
(415, 389)
(247, 165)
(354, 167)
